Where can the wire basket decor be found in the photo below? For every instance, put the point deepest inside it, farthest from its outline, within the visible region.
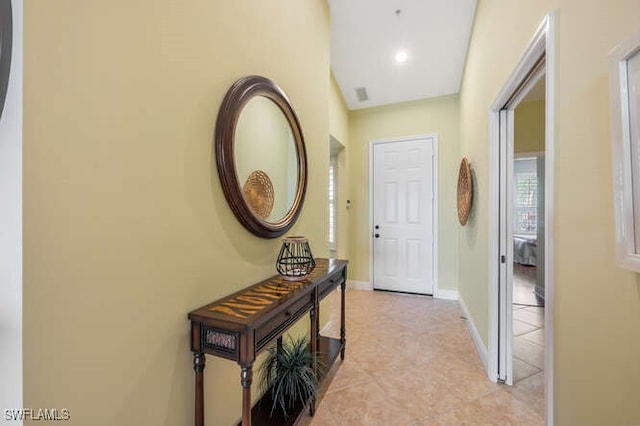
(465, 191)
(258, 191)
(295, 260)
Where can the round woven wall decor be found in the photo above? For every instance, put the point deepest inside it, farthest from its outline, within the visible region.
(258, 191)
(465, 191)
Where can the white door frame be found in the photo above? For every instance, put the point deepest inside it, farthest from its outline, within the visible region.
(434, 138)
(501, 137)
(11, 227)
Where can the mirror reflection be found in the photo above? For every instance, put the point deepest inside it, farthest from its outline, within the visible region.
(266, 159)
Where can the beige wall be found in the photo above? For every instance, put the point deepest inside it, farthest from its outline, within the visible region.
(125, 225)
(338, 114)
(597, 312)
(529, 127)
(339, 129)
(437, 115)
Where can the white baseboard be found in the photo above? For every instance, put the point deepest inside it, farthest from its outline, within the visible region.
(359, 285)
(475, 336)
(446, 294)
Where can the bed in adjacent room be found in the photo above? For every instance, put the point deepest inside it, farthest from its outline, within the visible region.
(524, 249)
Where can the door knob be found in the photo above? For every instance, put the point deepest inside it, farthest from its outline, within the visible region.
(377, 235)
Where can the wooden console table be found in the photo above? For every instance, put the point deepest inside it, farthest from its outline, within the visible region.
(239, 326)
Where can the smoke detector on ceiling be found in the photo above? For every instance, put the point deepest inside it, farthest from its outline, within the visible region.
(361, 92)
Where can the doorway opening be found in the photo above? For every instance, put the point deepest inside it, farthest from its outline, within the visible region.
(528, 187)
(403, 214)
(506, 215)
(528, 213)
(335, 149)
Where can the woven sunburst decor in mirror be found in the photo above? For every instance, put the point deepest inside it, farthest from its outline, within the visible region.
(258, 191)
(465, 191)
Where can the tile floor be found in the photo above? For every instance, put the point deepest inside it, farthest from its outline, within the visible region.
(528, 325)
(524, 281)
(528, 342)
(410, 361)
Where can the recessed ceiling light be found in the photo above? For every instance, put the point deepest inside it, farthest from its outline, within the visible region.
(401, 56)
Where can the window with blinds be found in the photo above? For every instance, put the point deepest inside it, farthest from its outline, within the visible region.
(525, 200)
(333, 200)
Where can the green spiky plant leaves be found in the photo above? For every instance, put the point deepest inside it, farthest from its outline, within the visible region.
(289, 374)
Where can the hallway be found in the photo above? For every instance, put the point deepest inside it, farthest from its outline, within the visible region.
(410, 361)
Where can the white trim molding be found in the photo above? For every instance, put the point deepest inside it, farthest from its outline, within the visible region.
(11, 222)
(475, 336)
(359, 285)
(624, 145)
(443, 293)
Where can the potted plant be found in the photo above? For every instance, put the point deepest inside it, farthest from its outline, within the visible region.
(288, 374)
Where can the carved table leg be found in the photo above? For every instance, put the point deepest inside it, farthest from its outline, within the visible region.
(246, 377)
(198, 366)
(343, 290)
(314, 317)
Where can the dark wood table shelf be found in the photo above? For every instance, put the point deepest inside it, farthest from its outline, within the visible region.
(241, 325)
(328, 351)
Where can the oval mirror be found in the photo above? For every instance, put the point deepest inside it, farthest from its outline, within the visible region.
(261, 156)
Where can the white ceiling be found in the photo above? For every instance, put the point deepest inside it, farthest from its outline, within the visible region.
(367, 34)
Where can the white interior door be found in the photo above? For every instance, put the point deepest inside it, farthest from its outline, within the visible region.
(403, 215)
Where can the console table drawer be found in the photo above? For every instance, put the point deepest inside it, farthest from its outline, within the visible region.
(329, 284)
(283, 320)
(219, 342)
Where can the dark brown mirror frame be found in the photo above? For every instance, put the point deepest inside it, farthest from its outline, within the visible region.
(234, 101)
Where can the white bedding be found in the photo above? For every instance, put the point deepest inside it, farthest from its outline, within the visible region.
(524, 249)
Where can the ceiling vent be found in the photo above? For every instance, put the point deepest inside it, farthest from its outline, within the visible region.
(361, 92)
